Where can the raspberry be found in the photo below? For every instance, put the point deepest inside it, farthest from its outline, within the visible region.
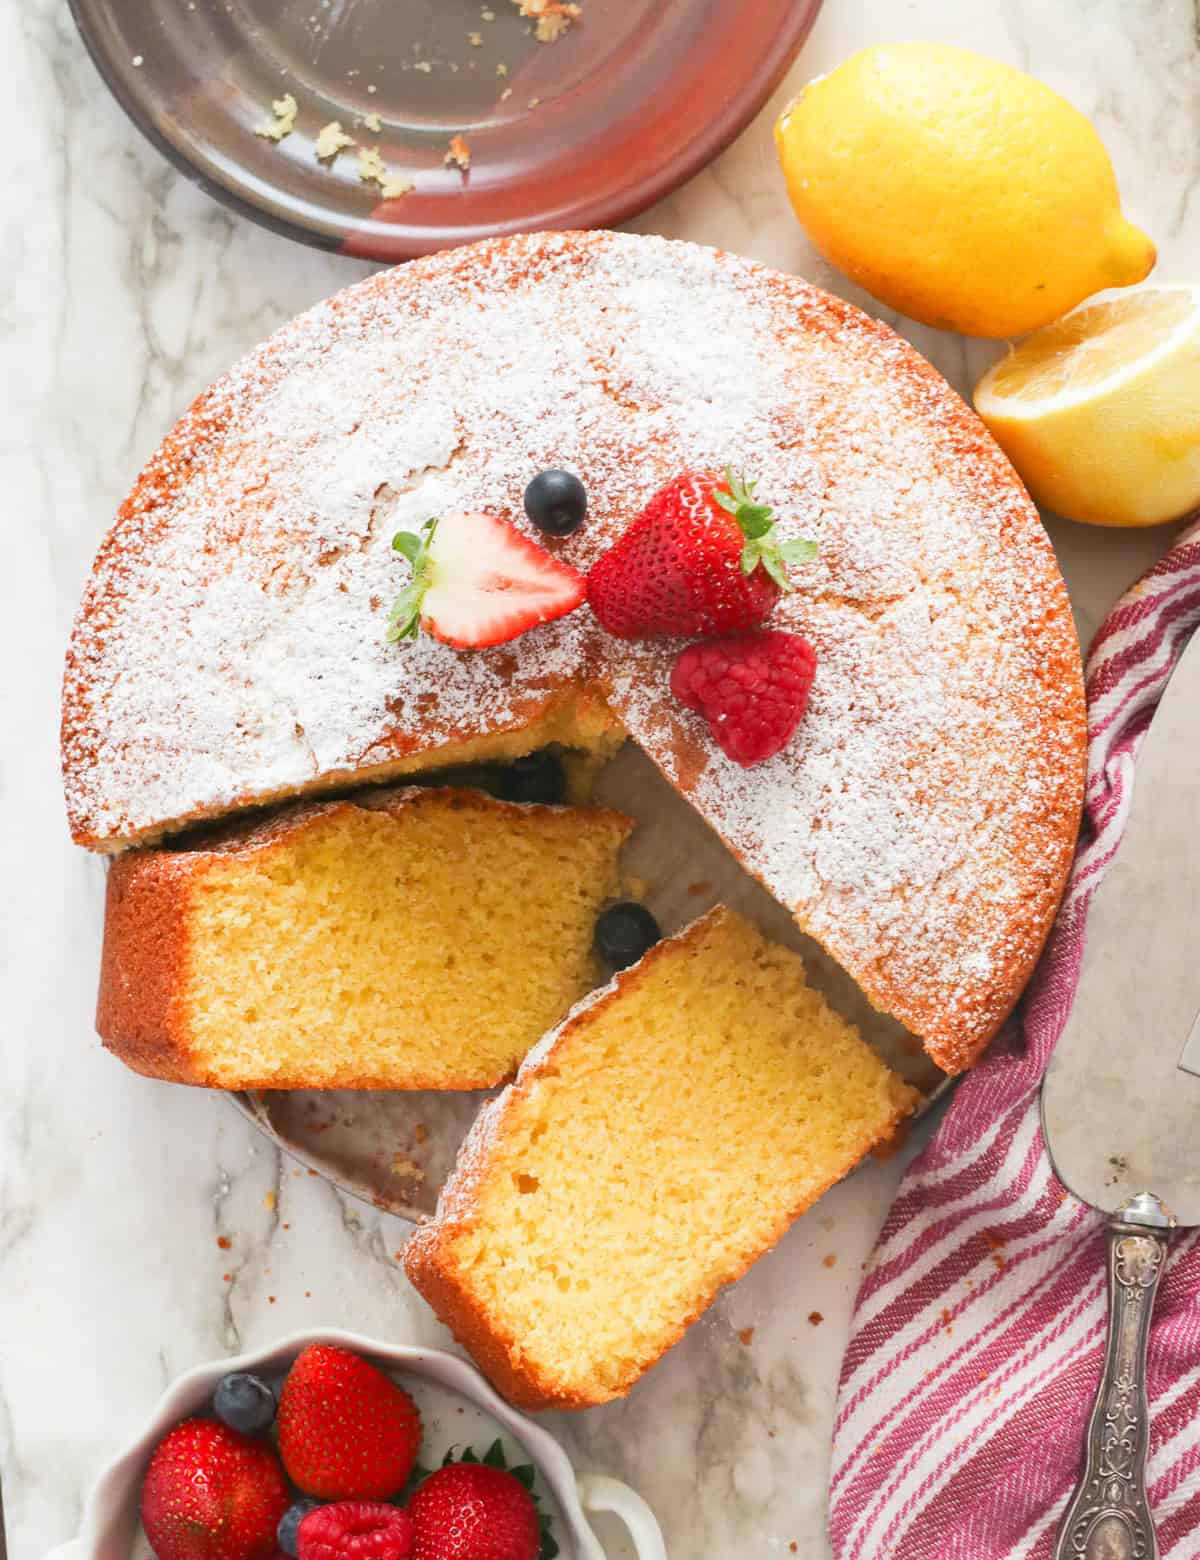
(752, 690)
(356, 1530)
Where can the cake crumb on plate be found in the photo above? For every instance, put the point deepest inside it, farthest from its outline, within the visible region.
(373, 170)
(331, 139)
(551, 18)
(285, 110)
(459, 154)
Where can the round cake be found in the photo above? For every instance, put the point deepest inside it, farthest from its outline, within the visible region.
(231, 646)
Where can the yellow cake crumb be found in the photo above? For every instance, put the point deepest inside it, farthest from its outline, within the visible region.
(551, 18)
(475, 39)
(373, 170)
(285, 110)
(331, 139)
(406, 1169)
(371, 166)
(373, 123)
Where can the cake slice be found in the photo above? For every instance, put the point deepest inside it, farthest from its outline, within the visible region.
(655, 1144)
(410, 939)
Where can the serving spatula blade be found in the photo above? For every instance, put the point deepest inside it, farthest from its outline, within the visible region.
(1121, 1099)
(1121, 1104)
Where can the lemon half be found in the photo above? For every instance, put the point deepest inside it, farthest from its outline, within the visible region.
(1100, 412)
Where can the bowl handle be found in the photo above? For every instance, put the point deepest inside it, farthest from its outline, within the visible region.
(598, 1493)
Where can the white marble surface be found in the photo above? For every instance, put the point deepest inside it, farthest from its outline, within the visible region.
(123, 290)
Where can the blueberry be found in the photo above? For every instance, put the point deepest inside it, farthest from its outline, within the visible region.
(244, 1402)
(624, 932)
(538, 778)
(287, 1533)
(556, 502)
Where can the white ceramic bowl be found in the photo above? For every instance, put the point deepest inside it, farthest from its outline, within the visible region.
(110, 1519)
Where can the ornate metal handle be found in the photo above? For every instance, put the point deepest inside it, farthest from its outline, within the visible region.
(1108, 1517)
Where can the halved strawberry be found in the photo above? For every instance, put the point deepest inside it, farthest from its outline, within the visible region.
(477, 581)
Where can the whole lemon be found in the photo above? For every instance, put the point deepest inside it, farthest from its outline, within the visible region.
(956, 189)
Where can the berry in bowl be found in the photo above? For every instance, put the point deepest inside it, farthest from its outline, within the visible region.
(329, 1446)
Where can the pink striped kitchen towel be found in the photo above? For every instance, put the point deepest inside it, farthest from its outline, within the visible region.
(978, 1331)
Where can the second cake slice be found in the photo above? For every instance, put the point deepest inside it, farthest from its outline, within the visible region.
(413, 939)
(651, 1148)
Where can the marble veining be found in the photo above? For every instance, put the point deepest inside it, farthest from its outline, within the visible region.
(144, 1228)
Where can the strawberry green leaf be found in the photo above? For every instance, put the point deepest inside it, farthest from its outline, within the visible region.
(524, 1475)
(773, 564)
(404, 619)
(405, 616)
(494, 1456)
(754, 519)
(741, 490)
(409, 544)
(762, 544)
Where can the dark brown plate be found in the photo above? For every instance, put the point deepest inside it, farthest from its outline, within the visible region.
(631, 101)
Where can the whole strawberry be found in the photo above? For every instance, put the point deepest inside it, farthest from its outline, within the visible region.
(472, 1511)
(702, 558)
(752, 689)
(356, 1530)
(212, 1494)
(346, 1431)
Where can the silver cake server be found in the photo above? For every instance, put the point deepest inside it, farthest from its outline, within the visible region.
(1121, 1104)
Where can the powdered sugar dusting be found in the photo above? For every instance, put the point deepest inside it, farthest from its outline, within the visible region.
(231, 643)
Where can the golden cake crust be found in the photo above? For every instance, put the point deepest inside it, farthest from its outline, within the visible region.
(140, 1013)
(230, 646)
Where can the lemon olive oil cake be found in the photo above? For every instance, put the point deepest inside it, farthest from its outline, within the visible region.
(231, 648)
(414, 939)
(655, 1144)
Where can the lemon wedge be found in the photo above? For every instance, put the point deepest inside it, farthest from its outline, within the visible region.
(1100, 412)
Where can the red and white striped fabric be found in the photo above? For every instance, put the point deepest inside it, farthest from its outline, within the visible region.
(978, 1331)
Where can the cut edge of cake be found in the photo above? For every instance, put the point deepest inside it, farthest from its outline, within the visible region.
(145, 1010)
